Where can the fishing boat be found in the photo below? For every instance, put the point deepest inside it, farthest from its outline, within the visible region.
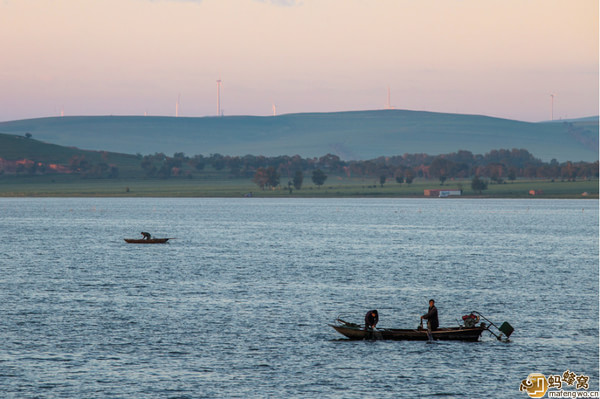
(146, 241)
(470, 331)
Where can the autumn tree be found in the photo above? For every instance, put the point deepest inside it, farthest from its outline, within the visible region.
(440, 168)
(260, 178)
(266, 177)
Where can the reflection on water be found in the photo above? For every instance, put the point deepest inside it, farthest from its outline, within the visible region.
(238, 305)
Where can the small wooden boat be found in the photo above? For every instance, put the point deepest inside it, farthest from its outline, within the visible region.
(356, 332)
(146, 241)
(470, 331)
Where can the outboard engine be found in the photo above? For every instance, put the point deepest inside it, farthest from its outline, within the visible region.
(470, 320)
(505, 329)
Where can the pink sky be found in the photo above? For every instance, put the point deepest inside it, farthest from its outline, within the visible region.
(129, 57)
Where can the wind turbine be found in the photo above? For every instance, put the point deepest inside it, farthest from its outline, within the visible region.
(389, 103)
(552, 106)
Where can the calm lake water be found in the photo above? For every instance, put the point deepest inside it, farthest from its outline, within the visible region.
(238, 305)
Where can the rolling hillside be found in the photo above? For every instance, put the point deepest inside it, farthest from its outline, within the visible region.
(15, 148)
(350, 135)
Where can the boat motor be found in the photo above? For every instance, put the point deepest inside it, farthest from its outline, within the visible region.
(504, 329)
(470, 320)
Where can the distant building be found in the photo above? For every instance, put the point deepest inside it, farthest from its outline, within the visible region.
(441, 193)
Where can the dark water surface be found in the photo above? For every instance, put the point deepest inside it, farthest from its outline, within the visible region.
(238, 305)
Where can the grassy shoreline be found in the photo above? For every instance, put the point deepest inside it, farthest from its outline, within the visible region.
(70, 186)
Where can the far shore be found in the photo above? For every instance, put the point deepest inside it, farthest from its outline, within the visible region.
(334, 187)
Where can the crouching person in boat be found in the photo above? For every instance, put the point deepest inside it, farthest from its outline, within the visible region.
(432, 317)
(147, 236)
(371, 319)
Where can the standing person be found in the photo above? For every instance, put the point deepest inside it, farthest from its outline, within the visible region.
(432, 317)
(371, 319)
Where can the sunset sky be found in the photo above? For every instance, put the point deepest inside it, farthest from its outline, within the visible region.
(499, 58)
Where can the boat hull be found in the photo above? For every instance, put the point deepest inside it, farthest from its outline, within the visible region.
(448, 334)
(144, 241)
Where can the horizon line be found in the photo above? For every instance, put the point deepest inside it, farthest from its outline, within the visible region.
(145, 115)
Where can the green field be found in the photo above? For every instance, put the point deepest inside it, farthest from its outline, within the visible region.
(74, 186)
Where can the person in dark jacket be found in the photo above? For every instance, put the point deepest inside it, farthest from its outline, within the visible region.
(432, 317)
(147, 236)
(371, 319)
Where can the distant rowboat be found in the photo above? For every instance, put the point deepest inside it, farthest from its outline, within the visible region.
(146, 241)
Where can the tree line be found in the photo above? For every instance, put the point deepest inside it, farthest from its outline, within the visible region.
(77, 164)
(497, 165)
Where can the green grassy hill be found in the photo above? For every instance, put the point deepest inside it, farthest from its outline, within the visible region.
(350, 135)
(14, 148)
